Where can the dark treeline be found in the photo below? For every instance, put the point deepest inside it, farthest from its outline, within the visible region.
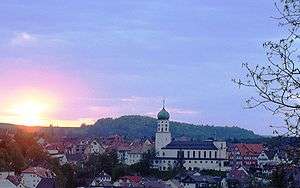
(134, 126)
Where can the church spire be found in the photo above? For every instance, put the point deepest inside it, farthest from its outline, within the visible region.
(163, 114)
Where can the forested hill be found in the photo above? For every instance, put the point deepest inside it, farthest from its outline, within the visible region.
(134, 126)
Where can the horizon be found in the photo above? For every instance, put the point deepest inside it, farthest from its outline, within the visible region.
(114, 118)
(77, 62)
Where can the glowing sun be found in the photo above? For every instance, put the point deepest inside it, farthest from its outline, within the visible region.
(31, 109)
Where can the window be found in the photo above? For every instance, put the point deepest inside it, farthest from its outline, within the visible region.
(216, 154)
(194, 154)
(209, 154)
(190, 161)
(199, 154)
(211, 161)
(163, 153)
(204, 154)
(188, 154)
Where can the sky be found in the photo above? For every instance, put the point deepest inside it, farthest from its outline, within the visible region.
(66, 63)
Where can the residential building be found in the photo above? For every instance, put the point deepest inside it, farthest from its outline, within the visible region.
(245, 154)
(37, 177)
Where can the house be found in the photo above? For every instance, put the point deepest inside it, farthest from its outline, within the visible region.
(238, 177)
(38, 177)
(77, 147)
(55, 153)
(102, 180)
(129, 181)
(272, 157)
(102, 185)
(154, 183)
(11, 181)
(94, 147)
(5, 183)
(192, 155)
(246, 154)
(75, 158)
(197, 180)
(174, 183)
(133, 153)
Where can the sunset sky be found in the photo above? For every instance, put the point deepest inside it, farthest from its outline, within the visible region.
(78, 61)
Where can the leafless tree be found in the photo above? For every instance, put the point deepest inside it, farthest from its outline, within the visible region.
(277, 83)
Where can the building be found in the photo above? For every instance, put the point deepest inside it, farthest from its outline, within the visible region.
(246, 154)
(10, 180)
(38, 177)
(197, 180)
(102, 180)
(133, 153)
(54, 153)
(94, 147)
(191, 155)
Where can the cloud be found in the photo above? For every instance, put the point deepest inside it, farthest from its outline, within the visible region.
(23, 38)
(183, 111)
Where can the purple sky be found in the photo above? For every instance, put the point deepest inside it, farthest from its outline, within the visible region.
(99, 59)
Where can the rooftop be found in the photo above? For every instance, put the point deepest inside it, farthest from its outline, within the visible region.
(207, 145)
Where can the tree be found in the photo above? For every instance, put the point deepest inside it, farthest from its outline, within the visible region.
(278, 177)
(278, 83)
(69, 173)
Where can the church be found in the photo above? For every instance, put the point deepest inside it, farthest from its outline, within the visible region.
(191, 155)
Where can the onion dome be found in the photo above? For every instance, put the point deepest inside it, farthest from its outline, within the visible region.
(163, 115)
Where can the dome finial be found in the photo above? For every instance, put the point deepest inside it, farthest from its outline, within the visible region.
(163, 114)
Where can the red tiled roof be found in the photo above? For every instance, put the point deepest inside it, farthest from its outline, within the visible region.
(249, 149)
(132, 179)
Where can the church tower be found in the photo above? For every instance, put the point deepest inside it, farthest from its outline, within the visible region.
(162, 135)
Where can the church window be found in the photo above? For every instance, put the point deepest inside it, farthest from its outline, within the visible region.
(188, 154)
(194, 154)
(199, 154)
(215, 154)
(209, 154)
(163, 153)
(204, 154)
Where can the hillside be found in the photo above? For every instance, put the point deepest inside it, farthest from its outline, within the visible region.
(141, 126)
(135, 126)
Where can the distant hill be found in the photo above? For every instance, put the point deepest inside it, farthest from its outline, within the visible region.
(135, 126)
